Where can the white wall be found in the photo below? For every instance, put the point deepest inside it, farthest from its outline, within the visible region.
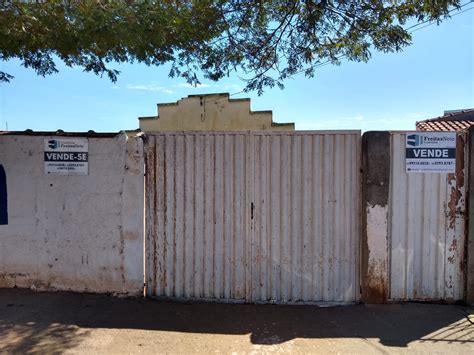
(79, 233)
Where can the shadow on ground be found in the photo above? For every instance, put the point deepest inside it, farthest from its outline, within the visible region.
(53, 322)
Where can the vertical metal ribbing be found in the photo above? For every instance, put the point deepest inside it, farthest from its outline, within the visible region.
(300, 246)
(308, 190)
(421, 235)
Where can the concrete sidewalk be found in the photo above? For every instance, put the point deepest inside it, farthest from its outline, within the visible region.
(82, 323)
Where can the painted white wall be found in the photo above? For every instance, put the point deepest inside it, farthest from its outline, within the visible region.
(78, 233)
(377, 244)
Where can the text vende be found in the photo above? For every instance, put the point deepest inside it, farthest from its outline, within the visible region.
(67, 156)
(443, 153)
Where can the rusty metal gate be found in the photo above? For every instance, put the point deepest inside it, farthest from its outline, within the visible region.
(426, 229)
(268, 217)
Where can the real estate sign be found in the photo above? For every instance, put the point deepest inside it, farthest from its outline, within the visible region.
(431, 152)
(66, 156)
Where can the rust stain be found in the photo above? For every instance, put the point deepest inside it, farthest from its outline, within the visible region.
(456, 182)
(449, 283)
(453, 249)
(454, 198)
(460, 160)
(376, 290)
(454, 245)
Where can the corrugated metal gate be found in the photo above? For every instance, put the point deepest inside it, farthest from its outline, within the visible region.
(197, 199)
(256, 217)
(427, 229)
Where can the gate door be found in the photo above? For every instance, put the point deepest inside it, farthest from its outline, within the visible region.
(305, 240)
(257, 217)
(197, 198)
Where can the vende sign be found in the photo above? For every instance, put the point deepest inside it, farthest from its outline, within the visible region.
(431, 152)
(66, 156)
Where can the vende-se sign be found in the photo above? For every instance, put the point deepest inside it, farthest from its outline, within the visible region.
(66, 156)
(431, 152)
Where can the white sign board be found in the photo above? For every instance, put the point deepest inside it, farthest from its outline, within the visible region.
(431, 152)
(66, 156)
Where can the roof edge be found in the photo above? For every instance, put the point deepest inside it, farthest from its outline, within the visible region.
(450, 116)
(148, 117)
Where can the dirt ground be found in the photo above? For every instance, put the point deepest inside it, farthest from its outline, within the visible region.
(81, 323)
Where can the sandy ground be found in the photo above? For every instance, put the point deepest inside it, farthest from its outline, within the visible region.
(81, 323)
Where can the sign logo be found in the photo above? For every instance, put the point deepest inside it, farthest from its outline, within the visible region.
(53, 144)
(414, 140)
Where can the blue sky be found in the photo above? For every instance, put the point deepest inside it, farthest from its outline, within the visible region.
(391, 91)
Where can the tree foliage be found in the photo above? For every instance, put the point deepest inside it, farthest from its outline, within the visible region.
(268, 41)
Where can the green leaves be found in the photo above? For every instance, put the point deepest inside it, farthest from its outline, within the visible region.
(268, 41)
(91, 34)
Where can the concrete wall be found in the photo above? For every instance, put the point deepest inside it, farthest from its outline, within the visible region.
(79, 233)
(212, 112)
(375, 187)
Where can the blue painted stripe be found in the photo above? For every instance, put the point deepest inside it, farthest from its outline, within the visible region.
(3, 197)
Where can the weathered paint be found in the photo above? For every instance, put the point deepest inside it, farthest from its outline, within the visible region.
(469, 270)
(305, 232)
(211, 112)
(270, 217)
(79, 233)
(376, 290)
(427, 229)
(376, 182)
(3, 197)
(196, 220)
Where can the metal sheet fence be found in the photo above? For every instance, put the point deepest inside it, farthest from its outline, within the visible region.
(196, 221)
(306, 226)
(258, 217)
(427, 227)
